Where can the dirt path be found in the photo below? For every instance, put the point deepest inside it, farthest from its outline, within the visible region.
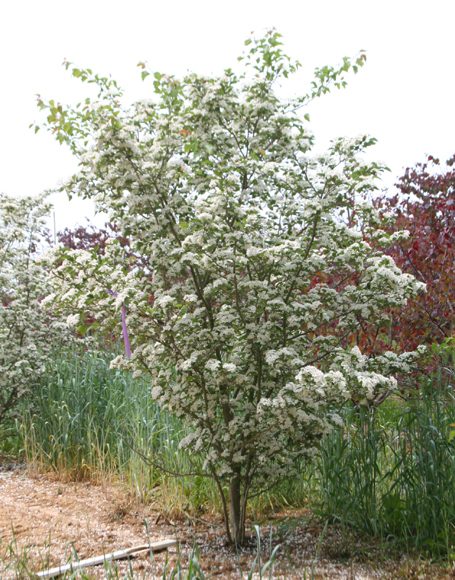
(43, 522)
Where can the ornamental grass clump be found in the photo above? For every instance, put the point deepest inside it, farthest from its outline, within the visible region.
(247, 275)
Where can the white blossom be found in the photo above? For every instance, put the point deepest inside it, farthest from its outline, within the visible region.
(72, 319)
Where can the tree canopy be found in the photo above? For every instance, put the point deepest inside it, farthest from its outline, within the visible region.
(248, 270)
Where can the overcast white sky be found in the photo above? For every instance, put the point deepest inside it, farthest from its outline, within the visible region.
(404, 96)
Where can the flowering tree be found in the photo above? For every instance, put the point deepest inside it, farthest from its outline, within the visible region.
(234, 230)
(28, 333)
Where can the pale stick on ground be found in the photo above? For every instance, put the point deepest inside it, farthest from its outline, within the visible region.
(96, 560)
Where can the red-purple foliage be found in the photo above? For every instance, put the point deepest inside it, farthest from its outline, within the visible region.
(425, 206)
(89, 237)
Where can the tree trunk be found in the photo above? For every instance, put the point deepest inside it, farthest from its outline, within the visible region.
(237, 513)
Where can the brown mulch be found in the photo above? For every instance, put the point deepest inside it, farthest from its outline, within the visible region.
(44, 522)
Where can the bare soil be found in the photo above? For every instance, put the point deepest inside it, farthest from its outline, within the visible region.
(45, 522)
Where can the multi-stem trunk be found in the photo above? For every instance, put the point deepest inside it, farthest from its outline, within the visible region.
(237, 511)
